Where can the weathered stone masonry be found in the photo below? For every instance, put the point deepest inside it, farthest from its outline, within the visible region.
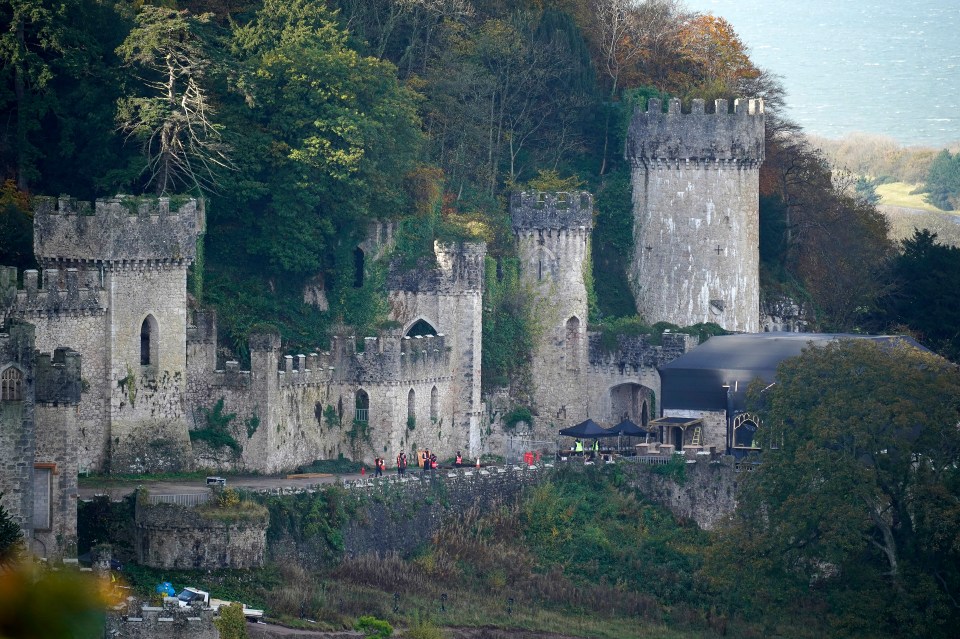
(114, 288)
(38, 433)
(696, 213)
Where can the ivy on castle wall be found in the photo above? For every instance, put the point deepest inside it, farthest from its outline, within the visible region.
(509, 330)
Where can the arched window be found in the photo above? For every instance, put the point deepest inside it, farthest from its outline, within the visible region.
(421, 327)
(358, 268)
(411, 408)
(149, 339)
(362, 413)
(744, 431)
(434, 404)
(572, 342)
(11, 385)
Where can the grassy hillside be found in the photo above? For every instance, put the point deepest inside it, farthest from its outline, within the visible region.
(901, 194)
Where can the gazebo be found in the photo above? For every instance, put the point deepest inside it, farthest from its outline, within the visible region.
(628, 428)
(587, 429)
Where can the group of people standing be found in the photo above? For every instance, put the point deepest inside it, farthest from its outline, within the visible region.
(428, 461)
(578, 449)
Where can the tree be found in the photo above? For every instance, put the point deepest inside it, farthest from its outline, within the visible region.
(927, 275)
(11, 537)
(39, 41)
(716, 59)
(943, 181)
(231, 624)
(175, 119)
(856, 501)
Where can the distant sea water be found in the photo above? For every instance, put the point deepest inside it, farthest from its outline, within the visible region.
(889, 67)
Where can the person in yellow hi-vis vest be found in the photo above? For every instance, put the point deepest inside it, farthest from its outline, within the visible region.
(578, 446)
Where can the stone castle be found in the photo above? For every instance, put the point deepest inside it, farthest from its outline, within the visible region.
(143, 371)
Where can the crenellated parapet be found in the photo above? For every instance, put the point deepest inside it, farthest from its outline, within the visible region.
(733, 137)
(202, 328)
(57, 378)
(390, 357)
(123, 230)
(60, 291)
(540, 210)
(636, 352)
(394, 358)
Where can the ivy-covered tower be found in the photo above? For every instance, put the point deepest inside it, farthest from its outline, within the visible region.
(696, 213)
(553, 242)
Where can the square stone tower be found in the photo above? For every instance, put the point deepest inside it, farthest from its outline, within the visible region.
(696, 213)
(138, 251)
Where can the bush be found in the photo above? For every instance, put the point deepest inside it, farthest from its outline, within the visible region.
(231, 623)
(374, 628)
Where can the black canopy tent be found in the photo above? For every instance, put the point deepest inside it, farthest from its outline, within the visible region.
(628, 428)
(587, 428)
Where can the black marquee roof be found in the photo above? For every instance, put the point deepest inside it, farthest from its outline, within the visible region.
(695, 381)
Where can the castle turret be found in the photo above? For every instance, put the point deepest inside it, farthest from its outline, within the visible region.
(114, 288)
(696, 213)
(553, 242)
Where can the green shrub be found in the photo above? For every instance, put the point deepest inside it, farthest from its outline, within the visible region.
(517, 415)
(374, 628)
(231, 623)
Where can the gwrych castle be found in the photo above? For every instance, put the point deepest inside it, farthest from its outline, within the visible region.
(104, 368)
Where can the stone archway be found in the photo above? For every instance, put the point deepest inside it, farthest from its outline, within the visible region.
(631, 401)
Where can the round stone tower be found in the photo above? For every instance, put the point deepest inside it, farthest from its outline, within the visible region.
(696, 213)
(553, 240)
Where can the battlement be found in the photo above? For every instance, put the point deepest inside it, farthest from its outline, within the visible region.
(536, 210)
(63, 292)
(202, 328)
(16, 341)
(723, 135)
(119, 229)
(390, 357)
(57, 378)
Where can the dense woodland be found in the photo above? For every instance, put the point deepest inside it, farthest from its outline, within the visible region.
(300, 122)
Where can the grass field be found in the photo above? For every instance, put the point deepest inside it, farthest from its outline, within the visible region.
(899, 194)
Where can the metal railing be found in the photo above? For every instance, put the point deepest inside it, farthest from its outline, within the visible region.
(362, 415)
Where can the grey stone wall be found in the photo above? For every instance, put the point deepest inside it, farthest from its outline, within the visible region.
(707, 495)
(779, 313)
(146, 622)
(281, 404)
(172, 536)
(69, 308)
(449, 297)
(696, 213)
(119, 229)
(40, 431)
(552, 231)
(17, 427)
(107, 267)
